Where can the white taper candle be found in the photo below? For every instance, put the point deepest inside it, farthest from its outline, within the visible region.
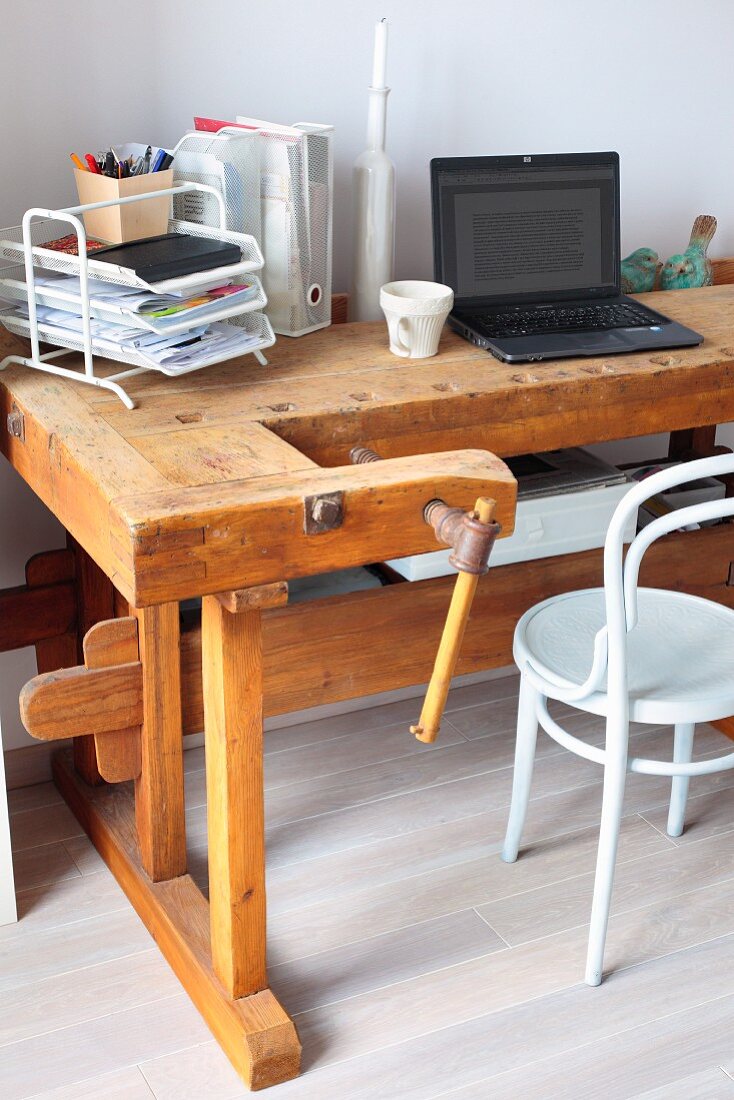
(379, 64)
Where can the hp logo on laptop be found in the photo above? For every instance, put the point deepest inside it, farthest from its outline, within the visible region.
(527, 160)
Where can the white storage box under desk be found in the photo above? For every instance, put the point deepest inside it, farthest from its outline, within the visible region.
(545, 527)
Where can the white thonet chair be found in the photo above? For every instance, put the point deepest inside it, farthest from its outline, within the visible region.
(631, 655)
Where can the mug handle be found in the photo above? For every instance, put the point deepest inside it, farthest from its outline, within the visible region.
(400, 347)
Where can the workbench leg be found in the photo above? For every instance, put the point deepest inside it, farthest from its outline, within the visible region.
(159, 790)
(688, 443)
(232, 680)
(95, 602)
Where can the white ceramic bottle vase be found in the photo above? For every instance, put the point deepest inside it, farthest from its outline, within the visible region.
(374, 215)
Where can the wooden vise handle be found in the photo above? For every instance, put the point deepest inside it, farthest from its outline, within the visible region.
(449, 647)
(471, 536)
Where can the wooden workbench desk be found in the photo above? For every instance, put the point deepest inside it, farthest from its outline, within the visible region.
(225, 485)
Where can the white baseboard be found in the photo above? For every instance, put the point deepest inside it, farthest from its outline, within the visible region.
(32, 763)
(8, 910)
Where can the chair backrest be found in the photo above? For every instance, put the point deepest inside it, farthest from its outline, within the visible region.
(620, 580)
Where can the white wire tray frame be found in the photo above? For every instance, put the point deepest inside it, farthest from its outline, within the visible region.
(14, 287)
(30, 248)
(50, 260)
(256, 324)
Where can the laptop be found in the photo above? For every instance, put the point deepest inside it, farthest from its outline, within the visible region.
(530, 247)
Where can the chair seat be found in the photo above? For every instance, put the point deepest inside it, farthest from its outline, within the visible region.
(680, 654)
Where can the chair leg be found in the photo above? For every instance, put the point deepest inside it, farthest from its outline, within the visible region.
(527, 733)
(615, 774)
(682, 753)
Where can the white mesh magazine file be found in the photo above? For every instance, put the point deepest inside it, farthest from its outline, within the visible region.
(228, 161)
(296, 197)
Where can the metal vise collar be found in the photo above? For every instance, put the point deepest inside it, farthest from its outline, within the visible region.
(470, 539)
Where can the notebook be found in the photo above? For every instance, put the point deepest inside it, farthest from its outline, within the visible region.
(170, 255)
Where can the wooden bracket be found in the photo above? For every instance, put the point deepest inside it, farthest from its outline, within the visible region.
(102, 698)
(254, 599)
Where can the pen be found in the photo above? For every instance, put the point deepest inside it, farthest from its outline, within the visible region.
(93, 166)
(78, 163)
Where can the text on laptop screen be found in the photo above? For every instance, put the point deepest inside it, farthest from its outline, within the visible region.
(535, 230)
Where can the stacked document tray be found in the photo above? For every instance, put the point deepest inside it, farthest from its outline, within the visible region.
(157, 311)
(174, 326)
(240, 335)
(42, 232)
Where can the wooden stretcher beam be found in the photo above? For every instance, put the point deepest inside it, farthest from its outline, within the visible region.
(354, 644)
(40, 610)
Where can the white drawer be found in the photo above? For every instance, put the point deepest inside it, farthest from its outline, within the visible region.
(545, 527)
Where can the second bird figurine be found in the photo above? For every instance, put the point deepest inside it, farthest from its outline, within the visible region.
(692, 267)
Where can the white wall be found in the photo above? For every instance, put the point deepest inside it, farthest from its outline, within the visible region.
(653, 80)
(54, 103)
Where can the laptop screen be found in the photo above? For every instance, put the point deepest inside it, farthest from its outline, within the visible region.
(514, 228)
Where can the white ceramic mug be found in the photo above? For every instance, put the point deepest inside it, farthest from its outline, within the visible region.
(415, 313)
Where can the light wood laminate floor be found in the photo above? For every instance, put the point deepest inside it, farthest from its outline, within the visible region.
(417, 965)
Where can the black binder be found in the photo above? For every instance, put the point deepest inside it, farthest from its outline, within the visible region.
(154, 259)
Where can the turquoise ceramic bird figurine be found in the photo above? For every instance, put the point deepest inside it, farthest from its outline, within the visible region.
(638, 271)
(692, 267)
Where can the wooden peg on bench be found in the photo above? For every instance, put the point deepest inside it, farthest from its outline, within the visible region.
(102, 698)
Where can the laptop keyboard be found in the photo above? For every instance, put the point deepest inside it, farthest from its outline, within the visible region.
(532, 322)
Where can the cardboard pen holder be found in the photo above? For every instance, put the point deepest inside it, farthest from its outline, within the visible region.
(133, 220)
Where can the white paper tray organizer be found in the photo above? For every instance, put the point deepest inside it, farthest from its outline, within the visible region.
(84, 314)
